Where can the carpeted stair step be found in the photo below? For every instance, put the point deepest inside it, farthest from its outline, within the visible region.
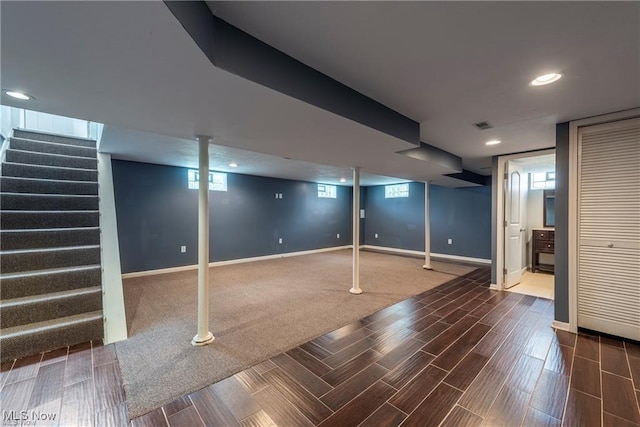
(17, 285)
(21, 220)
(21, 341)
(39, 308)
(44, 202)
(41, 259)
(11, 240)
(21, 170)
(30, 158)
(47, 186)
(51, 147)
(40, 136)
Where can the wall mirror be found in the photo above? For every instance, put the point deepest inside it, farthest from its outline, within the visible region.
(549, 207)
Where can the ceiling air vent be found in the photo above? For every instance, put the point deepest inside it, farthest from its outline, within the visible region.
(483, 125)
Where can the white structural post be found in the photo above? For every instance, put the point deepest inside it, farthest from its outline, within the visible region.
(204, 336)
(356, 232)
(427, 229)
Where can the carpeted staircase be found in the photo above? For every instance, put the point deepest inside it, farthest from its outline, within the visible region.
(50, 272)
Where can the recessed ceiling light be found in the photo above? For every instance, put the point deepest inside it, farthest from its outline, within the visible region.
(18, 95)
(343, 180)
(493, 142)
(546, 79)
(233, 165)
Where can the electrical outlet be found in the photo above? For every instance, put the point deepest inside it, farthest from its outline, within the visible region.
(375, 235)
(338, 236)
(183, 249)
(280, 240)
(449, 241)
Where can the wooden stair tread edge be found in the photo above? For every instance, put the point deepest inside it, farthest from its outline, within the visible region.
(55, 135)
(50, 154)
(48, 250)
(51, 143)
(52, 296)
(48, 166)
(50, 325)
(43, 272)
(47, 230)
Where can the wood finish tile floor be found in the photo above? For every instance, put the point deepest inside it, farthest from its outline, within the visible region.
(456, 355)
(74, 386)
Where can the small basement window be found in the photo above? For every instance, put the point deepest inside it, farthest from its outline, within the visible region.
(327, 191)
(396, 190)
(217, 180)
(543, 180)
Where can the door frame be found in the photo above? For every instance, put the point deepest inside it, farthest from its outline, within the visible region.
(508, 205)
(500, 200)
(574, 177)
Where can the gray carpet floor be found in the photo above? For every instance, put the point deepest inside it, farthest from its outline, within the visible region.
(257, 310)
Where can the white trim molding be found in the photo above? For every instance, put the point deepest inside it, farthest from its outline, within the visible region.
(231, 262)
(422, 254)
(159, 271)
(393, 250)
(115, 322)
(499, 192)
(461, 258)
(310, 252)
(562, 326)
(574, 178)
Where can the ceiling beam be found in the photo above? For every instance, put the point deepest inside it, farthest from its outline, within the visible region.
(237, 52)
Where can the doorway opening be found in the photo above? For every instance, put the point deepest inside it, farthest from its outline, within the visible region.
(528, 210)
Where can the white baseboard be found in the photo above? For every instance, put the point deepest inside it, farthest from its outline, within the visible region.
(421, 254)
(292, 254)
(494, 287)
(462, 258)
(563, 326)
(392, 250)
(230, 262)
(276, 256)
(159, 271)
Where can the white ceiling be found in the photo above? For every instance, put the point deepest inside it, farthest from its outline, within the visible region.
(132, 66)
(451, 64)
(135, 146)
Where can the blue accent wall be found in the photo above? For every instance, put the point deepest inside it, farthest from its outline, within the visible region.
(460, 214)
(561, 271)
(157, 214)
(463, 215)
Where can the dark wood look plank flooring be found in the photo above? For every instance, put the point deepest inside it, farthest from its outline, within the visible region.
(74, 386)
(456, 355)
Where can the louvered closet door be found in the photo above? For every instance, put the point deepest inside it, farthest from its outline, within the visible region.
(609, 228)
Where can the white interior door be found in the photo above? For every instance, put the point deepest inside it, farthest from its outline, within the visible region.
(514, 214)
(609, 228)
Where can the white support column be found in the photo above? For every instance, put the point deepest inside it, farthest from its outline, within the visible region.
(427, 229)
(204, 336)
(356, 232)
